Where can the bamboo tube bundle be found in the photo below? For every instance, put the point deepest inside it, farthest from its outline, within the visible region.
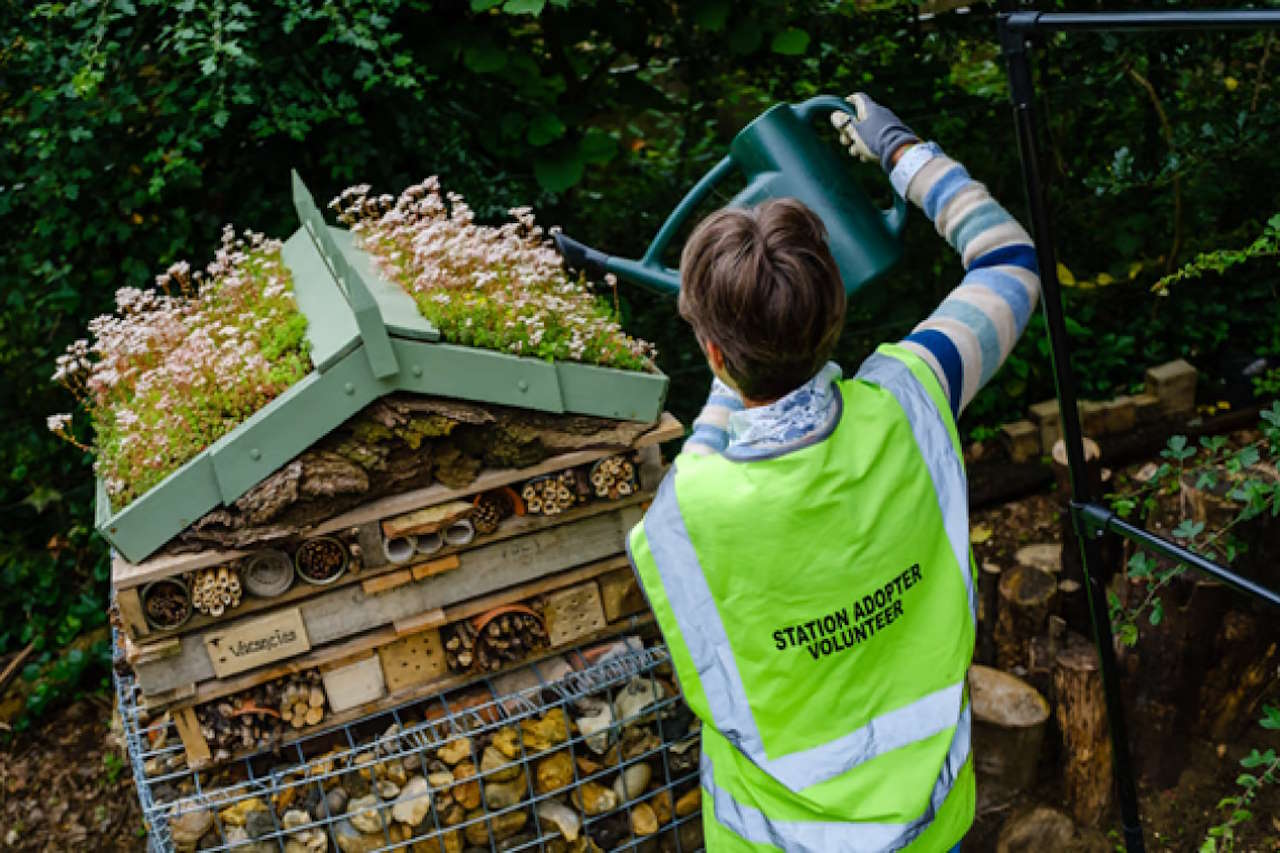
(302, 699)
(613, 477)
(552, 494)
(216, 590)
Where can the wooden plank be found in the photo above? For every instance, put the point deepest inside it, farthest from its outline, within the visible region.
(413, 659)
(329, 655)
(129, 602)
(197, 748)
(149, 652)
(382, 583)
(126, 575)
(331, 328)
(332, 616)
(399, 311)
(416, 624)
(353, 684)
(666, 429)
(444, 560)
(247, 645)
(435, 567)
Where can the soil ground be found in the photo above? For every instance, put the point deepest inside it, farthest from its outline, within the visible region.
(65, 785)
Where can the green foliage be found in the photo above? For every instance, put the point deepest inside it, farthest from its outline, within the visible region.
(1221, 837)
(131, 130)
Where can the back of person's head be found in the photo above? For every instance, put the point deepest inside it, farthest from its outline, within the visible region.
(762, 286)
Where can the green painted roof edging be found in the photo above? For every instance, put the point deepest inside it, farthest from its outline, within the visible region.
(367, 339)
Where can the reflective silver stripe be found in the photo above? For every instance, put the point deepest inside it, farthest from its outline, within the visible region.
(703, 633)
(828, 836)
(934, 442)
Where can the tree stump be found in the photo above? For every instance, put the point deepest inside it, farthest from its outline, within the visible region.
(1009, 719)
(1043, 829)
(1026, 595)
(988, 607)
(1240, 676)
(1082, 718)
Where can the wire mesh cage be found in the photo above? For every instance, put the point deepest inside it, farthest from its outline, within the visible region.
(590, 750)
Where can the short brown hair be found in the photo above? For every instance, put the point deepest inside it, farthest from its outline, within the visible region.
(761, 284)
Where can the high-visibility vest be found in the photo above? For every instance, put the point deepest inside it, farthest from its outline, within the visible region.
(819, 609)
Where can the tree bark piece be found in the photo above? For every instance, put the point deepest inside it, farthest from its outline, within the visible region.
(1009, 719)
(1082, 719)
(1026, 596)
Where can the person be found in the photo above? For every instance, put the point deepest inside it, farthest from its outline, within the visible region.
(806, 556)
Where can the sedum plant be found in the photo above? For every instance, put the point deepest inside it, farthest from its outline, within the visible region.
(502, 288)
(179, 366)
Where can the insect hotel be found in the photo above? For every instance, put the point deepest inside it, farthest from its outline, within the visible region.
(391, 608)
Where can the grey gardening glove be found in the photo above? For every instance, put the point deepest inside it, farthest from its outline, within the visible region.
(876, 132)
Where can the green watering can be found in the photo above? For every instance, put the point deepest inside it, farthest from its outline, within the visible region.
(782, 157)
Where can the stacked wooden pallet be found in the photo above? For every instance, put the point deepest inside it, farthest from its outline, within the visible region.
(404, 596)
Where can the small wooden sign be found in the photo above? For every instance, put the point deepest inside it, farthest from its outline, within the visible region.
(276, 636)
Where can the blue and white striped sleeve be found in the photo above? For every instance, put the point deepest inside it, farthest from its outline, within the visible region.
(975, 328)
(711, 427)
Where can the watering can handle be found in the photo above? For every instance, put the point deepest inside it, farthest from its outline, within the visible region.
(895, 217)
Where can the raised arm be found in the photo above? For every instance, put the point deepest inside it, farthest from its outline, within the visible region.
(975, 328)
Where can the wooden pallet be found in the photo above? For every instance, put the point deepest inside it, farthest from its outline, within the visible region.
(373, 640)
(126, 575)
(200, 756)
(130, 603)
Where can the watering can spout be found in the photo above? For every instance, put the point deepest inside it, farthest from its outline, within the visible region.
(579, 256)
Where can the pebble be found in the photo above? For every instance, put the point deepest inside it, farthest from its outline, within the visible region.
(455, 750)
(386, 789)
(365, 821)
(440, 780)
(414, 803)
(639, 695)
(259, 824)
(503, 826)
(187, 829)
(351, 840)
(542, 734)
(594, 724)
(594, 799)
(689, 803)
(632, 781)
(293, 819)
(500, 795)
(507, 741)
(237, 814)
(643, 820)
(554, 772)
(336, 801)
(662, 807)
(562, 817)
(497, 767)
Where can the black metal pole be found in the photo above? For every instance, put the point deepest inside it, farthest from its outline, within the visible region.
(1223, 19)
(1022, 91)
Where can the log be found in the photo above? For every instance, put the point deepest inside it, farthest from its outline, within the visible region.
(988, 607)
(1009, 719)
(1026, 596)
(1082, 719)
(1041, 828)
(1240, 676)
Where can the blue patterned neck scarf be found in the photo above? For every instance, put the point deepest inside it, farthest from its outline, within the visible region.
(800, 418)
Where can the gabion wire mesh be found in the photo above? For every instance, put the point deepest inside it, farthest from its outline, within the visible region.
(215, 809)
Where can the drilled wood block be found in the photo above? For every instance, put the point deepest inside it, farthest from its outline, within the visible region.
(1174, 383)
(1021, 439)
(1119, 415)
(412, 660)
(573, 613)
(1045, 416)
(353, 684)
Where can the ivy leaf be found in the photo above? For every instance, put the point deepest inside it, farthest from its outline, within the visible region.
(544, 128)
(1270, 717)
(1248, 456)
(792, 41)
(1140, 565)
(711, 15)
(556, 173)
(597, 146)
(1188, 529)
(484, 58)
(1128, 634)
(523, 7)
(41, 497)
(1157, 612)
(1252, 760)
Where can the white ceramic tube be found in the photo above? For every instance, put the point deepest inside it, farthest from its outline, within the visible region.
(399, 549)
(461, 532)
(429, 543)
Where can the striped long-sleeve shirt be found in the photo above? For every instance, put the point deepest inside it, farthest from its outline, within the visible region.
(964, 341)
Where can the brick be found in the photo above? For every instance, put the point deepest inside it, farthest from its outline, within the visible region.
(1045, 417)
(1021, 439)
(1174, 382)
(1119, 415)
